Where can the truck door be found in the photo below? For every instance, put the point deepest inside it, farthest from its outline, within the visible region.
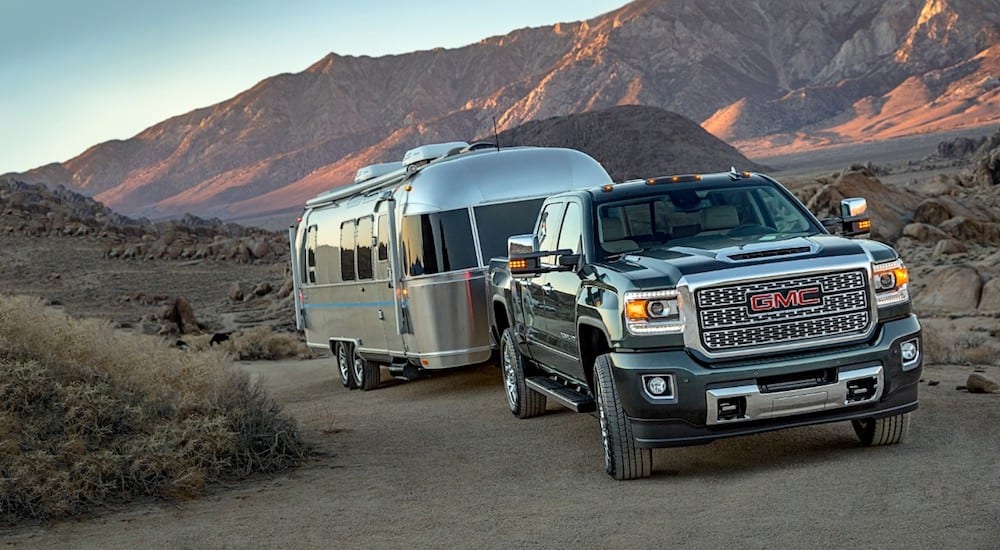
(539, 307)
(559, 289)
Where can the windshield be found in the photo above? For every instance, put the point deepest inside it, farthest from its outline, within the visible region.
(707, 218)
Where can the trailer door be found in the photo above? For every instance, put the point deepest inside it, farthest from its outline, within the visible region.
(384, 289)
(369, 289)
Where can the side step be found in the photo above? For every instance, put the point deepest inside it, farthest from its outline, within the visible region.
(565, 395)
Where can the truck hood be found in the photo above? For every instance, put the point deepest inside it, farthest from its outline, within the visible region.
(665, 266)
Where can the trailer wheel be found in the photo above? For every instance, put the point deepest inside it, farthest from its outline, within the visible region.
(523, 401)
(882, 431)
(622, 459)
(367, 374)
(344, 363)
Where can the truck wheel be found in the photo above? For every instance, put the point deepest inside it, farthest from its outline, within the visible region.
(622, 459)
(523, 401)
(344, 364)
(882, 431)
(367, 374)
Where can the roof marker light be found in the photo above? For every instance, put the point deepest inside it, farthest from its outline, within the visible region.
(606, 187)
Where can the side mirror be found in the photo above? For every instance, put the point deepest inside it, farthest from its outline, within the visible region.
(521, 244)
(855, 220)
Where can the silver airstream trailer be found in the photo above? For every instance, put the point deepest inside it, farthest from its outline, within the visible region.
(391, 270)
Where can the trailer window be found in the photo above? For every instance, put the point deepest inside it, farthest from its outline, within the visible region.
(309, 274)
(436, 243)
(347, 251)
(383, 238)
(364, 248)
(496, 222)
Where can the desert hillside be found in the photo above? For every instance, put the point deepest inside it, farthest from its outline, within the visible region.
(768, 74)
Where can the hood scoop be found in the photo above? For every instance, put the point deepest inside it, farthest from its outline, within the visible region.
(756, 252)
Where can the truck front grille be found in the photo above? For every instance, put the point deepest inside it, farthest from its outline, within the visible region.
(784, 311)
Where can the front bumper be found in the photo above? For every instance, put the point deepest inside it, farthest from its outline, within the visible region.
(709, 402)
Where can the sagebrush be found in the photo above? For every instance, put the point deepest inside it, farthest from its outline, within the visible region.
(90, 417)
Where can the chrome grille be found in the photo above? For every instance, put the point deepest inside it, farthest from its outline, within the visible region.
(726, 321)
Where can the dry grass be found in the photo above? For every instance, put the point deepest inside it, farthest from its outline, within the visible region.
(90, 417)
(254, 343)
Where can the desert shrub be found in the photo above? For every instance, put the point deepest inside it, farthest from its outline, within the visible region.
(263, 343)
(90, 417)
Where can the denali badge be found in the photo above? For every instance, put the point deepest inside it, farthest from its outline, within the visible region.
(797, 297)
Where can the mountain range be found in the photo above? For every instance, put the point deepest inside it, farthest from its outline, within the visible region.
(765, 75)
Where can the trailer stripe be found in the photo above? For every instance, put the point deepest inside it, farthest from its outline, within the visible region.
(349, 304)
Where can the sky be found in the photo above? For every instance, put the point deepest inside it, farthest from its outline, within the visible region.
(74, 73)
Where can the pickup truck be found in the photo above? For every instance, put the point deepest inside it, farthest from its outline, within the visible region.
(684, 309)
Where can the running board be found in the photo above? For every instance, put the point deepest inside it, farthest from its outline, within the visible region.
(565, 395)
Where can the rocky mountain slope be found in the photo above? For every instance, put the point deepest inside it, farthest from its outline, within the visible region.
(767, 73)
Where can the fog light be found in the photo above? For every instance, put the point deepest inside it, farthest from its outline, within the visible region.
(656, 385)
(910, 351)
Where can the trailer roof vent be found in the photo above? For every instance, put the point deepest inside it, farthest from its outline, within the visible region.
(373, 171)
(429, 152)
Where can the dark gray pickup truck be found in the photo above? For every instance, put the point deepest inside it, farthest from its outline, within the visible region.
(684, 309)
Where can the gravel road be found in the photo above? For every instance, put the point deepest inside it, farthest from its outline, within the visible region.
(441, 463)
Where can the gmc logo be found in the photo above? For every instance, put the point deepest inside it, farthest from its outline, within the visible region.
(797, 297)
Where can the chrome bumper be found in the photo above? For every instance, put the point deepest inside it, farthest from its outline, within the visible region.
(748, 402)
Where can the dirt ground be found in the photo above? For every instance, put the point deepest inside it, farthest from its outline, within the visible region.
(441, 463)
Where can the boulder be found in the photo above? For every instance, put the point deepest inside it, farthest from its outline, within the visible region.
(951, 289)
(990, 299)
(262, 289)
(977, 383)
(923, 232)
(947, 247)
(974, 231)
(239, 290)
(286, 289)
(932, 212)
(181, 314)
(262, 249)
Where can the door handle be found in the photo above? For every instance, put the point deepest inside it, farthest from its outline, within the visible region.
(547, 288)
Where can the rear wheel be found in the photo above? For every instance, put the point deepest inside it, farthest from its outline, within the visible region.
(882, 431)
(344, 363)
(523, 401)
(367, 374)
(622, 459)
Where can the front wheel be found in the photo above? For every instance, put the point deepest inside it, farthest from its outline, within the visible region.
(523, 401)
(622, 459)
(344, 364)
(882, 431)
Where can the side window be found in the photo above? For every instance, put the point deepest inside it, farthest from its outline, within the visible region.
(364, 248)
(571, 233)
(383, 238)
(548, 225)
(309, 273)
(347, 251)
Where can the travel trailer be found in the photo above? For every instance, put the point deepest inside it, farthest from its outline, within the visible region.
(392, 269)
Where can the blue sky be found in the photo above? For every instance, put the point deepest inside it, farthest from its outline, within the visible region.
(74, 73)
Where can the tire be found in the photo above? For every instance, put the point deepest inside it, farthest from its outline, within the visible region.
(622, 459)
(345, 357)
(882, 431)
(523, 401)
(367, 374)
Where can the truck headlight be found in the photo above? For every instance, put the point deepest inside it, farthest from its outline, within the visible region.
(890, 281)
(654, 312)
